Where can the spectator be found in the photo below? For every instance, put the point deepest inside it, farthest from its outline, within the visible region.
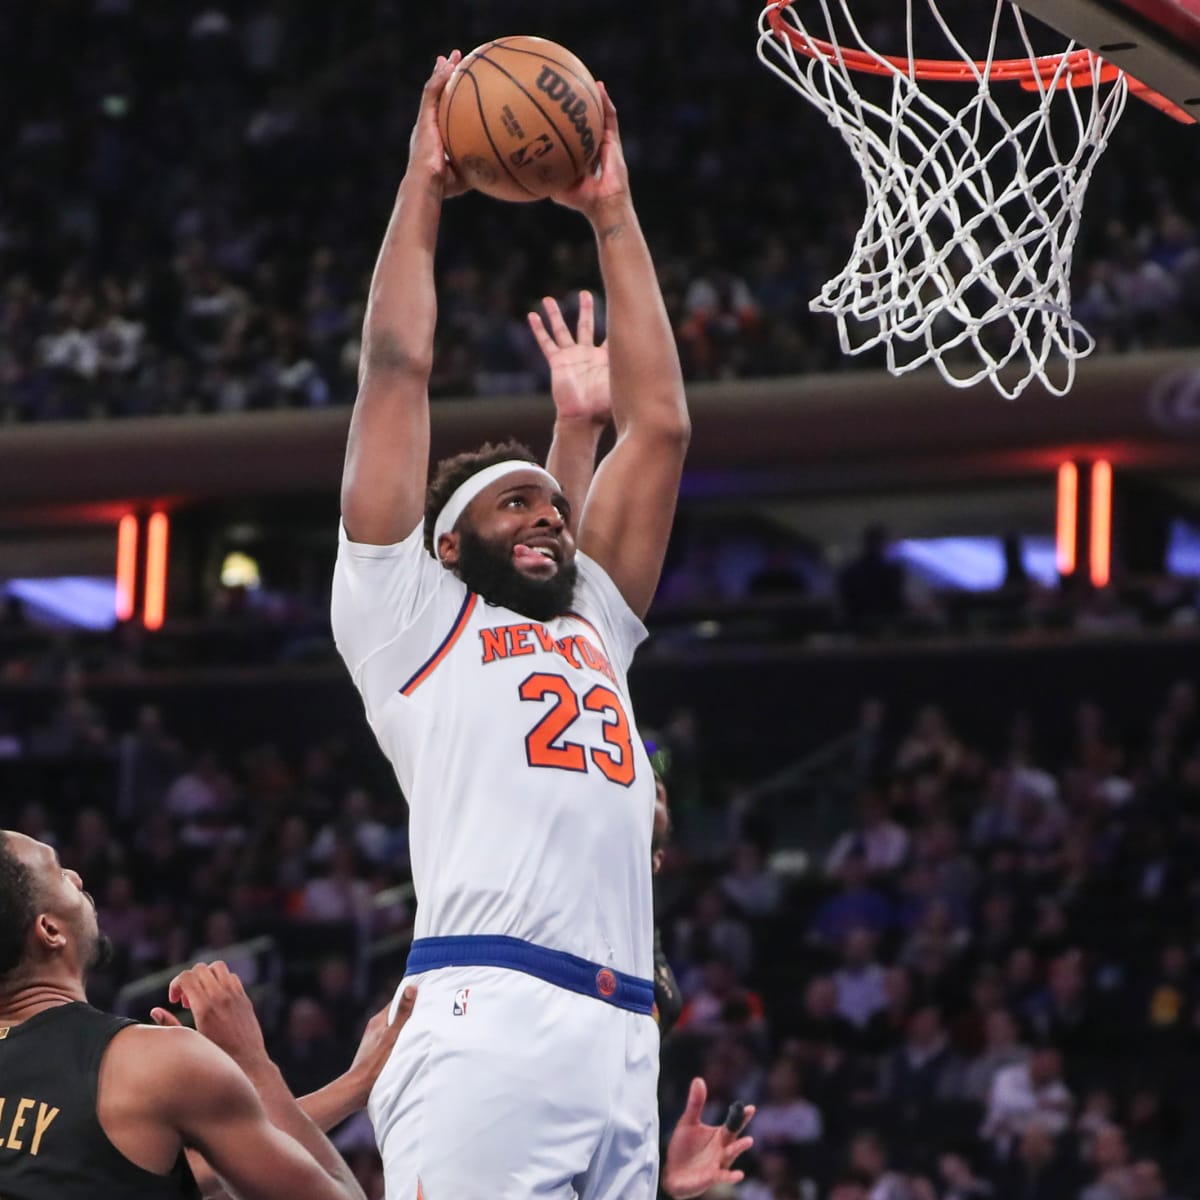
(923, 1072)
(356, 822)
(1002, 1049)
(1167, 997)
(960, 1179)
(1028, 1095)
(860, 981)
(149, 761)
(200, 791)
(710, 931)
(937, 932)
(1145, 1182)
(775, 1175)
(307, 1054)
(221, 941)
(1062, 1014)
(785, 1117)
(751, 885)
(820, 1023)
(855, 906)
(340, 894)
(336, 996)
(1037, 1171)
(869, 1160)
(722, 1005)
(889, 1026)
(120, 916)
(872, 588)
(92, 851)
(881, 841)
(1110, 1166)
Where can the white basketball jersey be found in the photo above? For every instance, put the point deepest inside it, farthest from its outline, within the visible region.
(531, 796)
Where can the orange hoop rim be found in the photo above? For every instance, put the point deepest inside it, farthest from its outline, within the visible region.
(1075, 68)
(1028, 72)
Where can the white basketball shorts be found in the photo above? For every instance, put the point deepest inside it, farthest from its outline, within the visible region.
(505, 1087)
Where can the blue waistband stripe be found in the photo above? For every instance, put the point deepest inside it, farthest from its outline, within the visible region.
(553, 966)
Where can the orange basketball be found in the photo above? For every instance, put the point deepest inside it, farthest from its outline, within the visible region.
(521, 118)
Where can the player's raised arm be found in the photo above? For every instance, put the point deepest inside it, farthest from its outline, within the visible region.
(631, 505)
(387, 455)
(579, 383)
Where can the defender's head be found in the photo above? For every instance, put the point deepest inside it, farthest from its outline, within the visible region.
(48, 929)
(662, 825)
(499, 521)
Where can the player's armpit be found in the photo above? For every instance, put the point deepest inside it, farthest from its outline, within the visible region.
(220, 1116)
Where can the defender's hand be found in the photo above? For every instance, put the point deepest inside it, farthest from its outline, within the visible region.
(377, 1041)
(426, 152)
(608, 187)
(700, 1156)
(579, 380)
(222, 1010)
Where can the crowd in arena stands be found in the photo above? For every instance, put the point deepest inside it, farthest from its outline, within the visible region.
(193, 195)
(986, 984)
(987, 987)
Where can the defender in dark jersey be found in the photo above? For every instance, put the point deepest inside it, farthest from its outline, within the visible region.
(95, 1107)
(668, 999)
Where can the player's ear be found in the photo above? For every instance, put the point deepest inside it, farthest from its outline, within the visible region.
(447, 550)
(49, 932)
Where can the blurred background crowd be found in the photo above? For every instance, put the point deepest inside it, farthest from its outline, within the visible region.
(193, 195)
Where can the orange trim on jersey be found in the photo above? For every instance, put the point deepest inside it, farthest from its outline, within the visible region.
(585, 621)
(460, 623)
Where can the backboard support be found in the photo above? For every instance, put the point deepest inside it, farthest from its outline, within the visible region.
(1156, 42)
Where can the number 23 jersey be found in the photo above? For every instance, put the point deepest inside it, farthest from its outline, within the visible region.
(531, 799)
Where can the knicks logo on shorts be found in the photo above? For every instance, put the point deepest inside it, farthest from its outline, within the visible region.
(460, 1002)
(606, 982)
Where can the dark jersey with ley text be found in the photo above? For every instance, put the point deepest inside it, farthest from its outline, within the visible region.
(52, 1146)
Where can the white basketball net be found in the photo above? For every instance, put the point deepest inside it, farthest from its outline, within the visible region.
(964, 256)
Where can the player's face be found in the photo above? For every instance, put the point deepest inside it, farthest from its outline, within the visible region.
(515, 550)
(61, 896)
(662, 826)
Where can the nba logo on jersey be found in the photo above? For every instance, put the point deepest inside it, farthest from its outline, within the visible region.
(460, 1002)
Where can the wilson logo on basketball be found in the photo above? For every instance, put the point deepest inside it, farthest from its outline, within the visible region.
(575, 107)
(606, 982)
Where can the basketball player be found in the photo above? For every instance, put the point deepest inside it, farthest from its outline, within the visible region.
(93, 1105)
(491, 659)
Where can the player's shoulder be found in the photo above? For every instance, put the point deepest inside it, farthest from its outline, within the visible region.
(145, 1064)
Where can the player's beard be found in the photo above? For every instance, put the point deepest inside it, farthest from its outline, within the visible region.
(98, 945)
(488, 570)
(100, 953)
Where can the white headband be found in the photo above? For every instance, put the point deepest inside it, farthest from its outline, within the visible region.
(470, 488)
